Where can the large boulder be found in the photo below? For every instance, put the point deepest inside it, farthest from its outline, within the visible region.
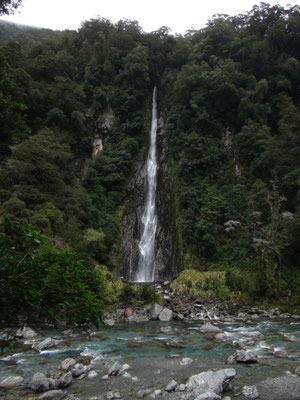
(209, 328)
(242, 356)
(65, 380)
(166, 315)
(11, 381)
(155, 310)
(67, 364)
(45, 344)
(39, 382)
(210, 381)
(57, 394)
(208, 396)
(26, 333)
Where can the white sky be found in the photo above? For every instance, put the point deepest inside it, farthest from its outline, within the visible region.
(179, 15)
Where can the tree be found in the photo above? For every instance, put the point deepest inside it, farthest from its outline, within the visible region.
(9, 6)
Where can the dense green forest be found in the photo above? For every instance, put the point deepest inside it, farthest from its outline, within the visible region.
(229, 97)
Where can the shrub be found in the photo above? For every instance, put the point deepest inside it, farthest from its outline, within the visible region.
(40, 282)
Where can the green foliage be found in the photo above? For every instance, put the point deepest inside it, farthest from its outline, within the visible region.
(40, 282)
(148, 295)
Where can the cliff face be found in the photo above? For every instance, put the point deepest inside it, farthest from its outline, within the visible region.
(165, 241)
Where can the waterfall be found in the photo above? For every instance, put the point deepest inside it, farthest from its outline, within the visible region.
(146, 264)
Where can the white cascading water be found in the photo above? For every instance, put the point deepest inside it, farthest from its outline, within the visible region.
(146, 265)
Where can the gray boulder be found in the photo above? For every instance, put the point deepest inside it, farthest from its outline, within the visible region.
(208, 396)
(39, 382)
(171, 386)
(78, 370)
(215, 382)
(166, 315)
(253, 334)
(114, 369)
(26, 333)
(65, 380)
(155, 311)
(209, 328)
(51, 394)
(242, 356)
(11, 381)
(45, 344)
(250, 392)
(67, 364)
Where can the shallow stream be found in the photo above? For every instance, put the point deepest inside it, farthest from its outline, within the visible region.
(154, 356)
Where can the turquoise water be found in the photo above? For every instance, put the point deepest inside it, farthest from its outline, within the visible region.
(138, 344)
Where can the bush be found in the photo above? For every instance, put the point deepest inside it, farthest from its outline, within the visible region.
(41, 283)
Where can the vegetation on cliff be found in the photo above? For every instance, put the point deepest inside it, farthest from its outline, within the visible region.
(229, 96)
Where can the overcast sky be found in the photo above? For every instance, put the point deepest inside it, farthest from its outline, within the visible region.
(179, 15)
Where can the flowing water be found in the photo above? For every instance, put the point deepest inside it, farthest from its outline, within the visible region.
(146, 265)
(154, 356)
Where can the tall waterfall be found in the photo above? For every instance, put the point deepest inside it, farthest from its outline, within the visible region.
(146, 264)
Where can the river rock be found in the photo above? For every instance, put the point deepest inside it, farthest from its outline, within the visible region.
(253, 334)
(186, 361)
(242, 356)
(166, 329)
(78, 370)
(171, 386)
(26, 333)
(112, 395)
(250, 392)
(67, 364)
(165, 315)
(221, 337)
(51, 394)
(208, 396)
(156, 309)
(128, 312)
(39, 382)
(45, 344)
(281, 353)
(209, 328)
(92, 375)
(114, 369)
(181, 387)
(215, 382)
(124, 368)
(297, 370)
(65, 380)
(11, 381)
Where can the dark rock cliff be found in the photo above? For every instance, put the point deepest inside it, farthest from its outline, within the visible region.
(165, 242)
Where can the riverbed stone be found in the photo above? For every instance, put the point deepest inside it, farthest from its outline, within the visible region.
(113, 395)
(156, 309)
(44, 344)
(166, 315)
(209, 328)
(51, 394)
(114, 369)
(67, 364)
(26, 332)
(11, 381)
(186, 361)
(250, 392)
(208, 396)
(39, 382)
(128, 312)
(92, 375)
(242, 356)
(253, 334)
(65, 380)
(78, 370)
(124, 368)
(215, 382)
(171, 386)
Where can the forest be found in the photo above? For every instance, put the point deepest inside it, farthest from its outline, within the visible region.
(229, 98)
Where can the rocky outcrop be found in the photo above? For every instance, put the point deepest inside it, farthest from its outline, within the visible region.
(165, 241)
